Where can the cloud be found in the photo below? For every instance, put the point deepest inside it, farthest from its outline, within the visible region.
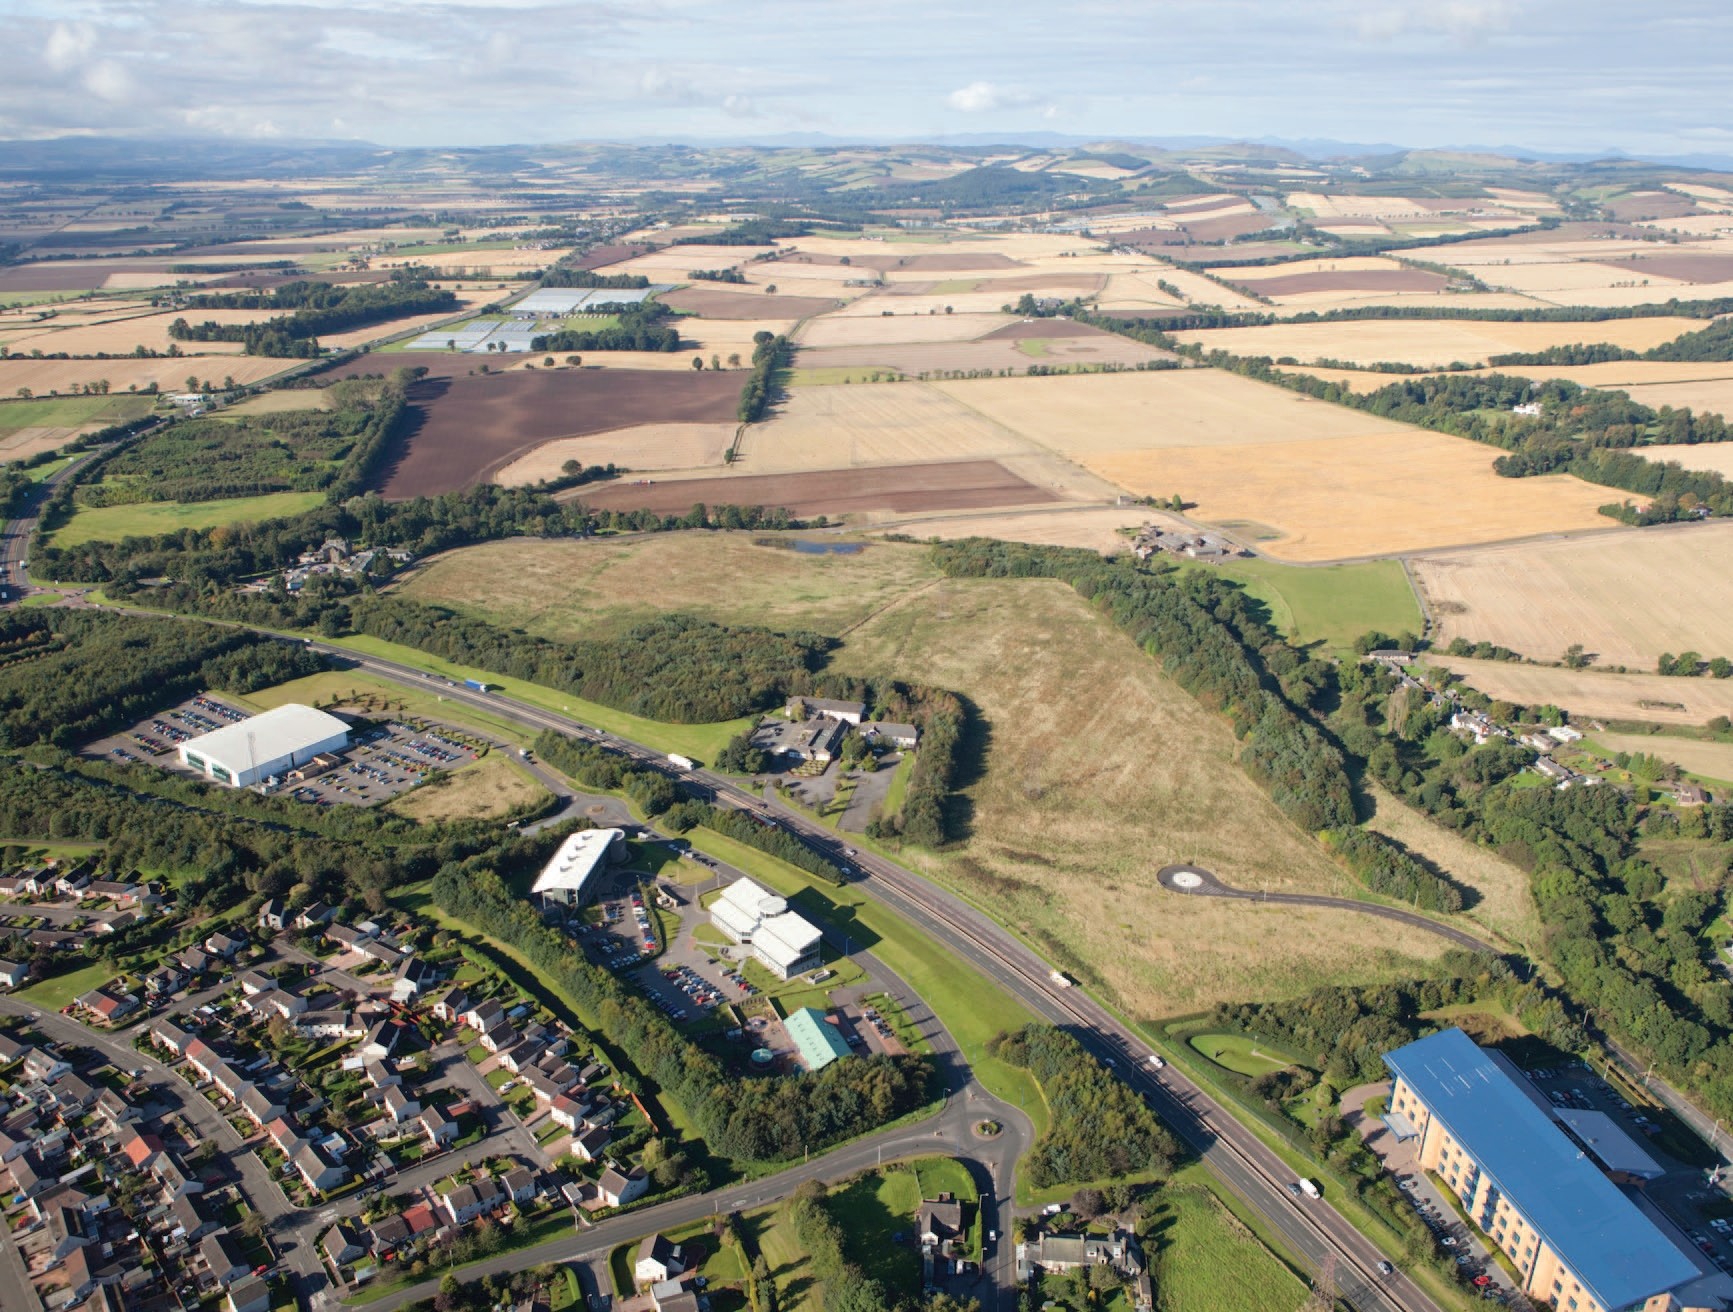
(1465, 21)
(68, 45)
(983, 97)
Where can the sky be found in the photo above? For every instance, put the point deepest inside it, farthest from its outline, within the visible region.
(1554, 75)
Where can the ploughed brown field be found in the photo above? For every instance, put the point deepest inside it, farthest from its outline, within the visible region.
(1701, 267)
(1227, 227)
(469, 427)
(961, 262)
(1651, 205)
(743, 305)
(1354, 280)
(953, 485)
(86, 275)
(439, 364)
(601, 256)
(1045, 329)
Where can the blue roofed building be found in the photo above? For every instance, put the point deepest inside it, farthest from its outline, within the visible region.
(819, 1042)
(1578, 1241)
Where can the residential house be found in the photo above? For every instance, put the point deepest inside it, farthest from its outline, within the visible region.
(281, 1002)
(313, 916)
(115, 923)
(343, 937)
(484, 1015)
(29, 1176)
(939, 1221)
(164, 980)
(379, 1075)
(329, 1025)
(341, 1245)
(107, 1006)
(42, 1065)
(616, 1188)
(12, 1050)
(225, 945)
(255, 982)
(1063, 1252)
(80, 1279)
(519, 1183)
(659, 1259)
(285, 1137)
(73, 1094)
(195, 961)
(380, 1040)
(437, 1126)
(170, 1037)
(399, 1106)
(272, 914)
(451, 1003)
(249, 1294)
(802, 708)
(383, 953)
(13, 973)
(62, 1214)
(414, 977)
(521, 1056)
(501, 1037)
(672, 1296)
(318, 1173)
(260, 1106)
(140, 1150)
(469, 1201)
(904, 737)
(388, 1235)
(222, 1258)
(567, 1112)
(591, 1144)
(114, 1110)
(537, 1081)
(190, 1219)
(172, 1179)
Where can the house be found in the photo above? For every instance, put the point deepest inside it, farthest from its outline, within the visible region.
(341, 1245)
(114, 924)
(904, 737)
(519, 1184)
(469, 1201)
(1686, 793)
(280, 1002)
(567, 1112)
(72, 1094)
(500, 1037)
(114, 1110)
(222, 1258)
(108, 1006)
(521, 1056)
(616, 1188)
(379, 1075)
(261, 1108)
(117, 891)
(285, 1137)
(172, 1180)
(140, 1150)
(313, 915)
(1551, 768)
(672, 1296)
(538, 1083)
(414, 976)
(484, 1015)
(250, 1294)
(343, 936)
(42, 1067)
(29, 1176)
(12, 1050)
(170, 1037)
(329, 1025)
(380, 1040)
(318, 1173)
(255, 982)
(399, 1106)
(1063, 1252)
(589, 1146)
(63, 1220)
(437, 1126)
(383, 953)
(659, 1259)
(450, 1005)
(164, 980)
(190, 1219)
(272, 914)
(821, 708)
(13, 973)
(225, 945)
(939, 1221)
(80, 1281)
(195, 961)
(388, 1235)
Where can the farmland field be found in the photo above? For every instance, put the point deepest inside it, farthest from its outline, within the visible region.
(1650, 379)
(271, 403)
(472, 426)
(1072, 807)
(1715, 456)
(641, 447)
(1625, 596)
(1357, 496)
(111, 523)
(71, 412)
(1330, 604)
(1095, 527)
(169, 374)
(1429, 342)
(1596, 693)
(708, 304)
(888, 330)
(891, 423)
(1710, 760)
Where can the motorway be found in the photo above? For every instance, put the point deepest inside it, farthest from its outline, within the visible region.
(1312, 1229)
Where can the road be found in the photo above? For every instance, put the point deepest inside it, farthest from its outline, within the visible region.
(15, 542)
(1195, 881)
(1312, 1229)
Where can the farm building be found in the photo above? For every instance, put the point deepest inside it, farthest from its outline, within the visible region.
(1577, 1238)
(567, 875)
(754, 916)
(248, 751)
(818, 1041)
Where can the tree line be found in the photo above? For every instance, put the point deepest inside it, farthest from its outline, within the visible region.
(315, 308)
(642, 327)
(770, 353)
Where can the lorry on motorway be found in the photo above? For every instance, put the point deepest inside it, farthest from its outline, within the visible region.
(1310, 1189)
(478, 684)
(681, 762)
(1060, 978)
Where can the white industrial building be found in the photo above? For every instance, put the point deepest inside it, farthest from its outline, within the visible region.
(568, 872)
(248, 751)
(753, 916)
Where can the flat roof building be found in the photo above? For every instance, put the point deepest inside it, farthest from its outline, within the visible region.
(567, 876)
(1577, 1240)
(753, 916)
(818, 1041)
(250, 750)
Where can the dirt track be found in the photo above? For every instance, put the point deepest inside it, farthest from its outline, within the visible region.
(471, 426)
(958, 485)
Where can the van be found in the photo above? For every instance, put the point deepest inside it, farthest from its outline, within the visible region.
(1310, 1189)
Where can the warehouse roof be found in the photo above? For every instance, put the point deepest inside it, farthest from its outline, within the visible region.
(576, 859)
(276, 733)
(819, 1041)
(1600, 1234)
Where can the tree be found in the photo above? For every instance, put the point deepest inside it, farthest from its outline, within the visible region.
(1575, 659)
(192, 382)
(24, 393)
(1087, 1204)
(574, 360)
(548, 361)
(734, 359)
(697, 362)
(1721, 667)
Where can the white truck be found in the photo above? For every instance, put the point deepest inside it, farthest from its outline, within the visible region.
(681, 762)
(1310, 1189)
(1059, 978)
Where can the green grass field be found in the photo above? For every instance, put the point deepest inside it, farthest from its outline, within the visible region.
(72, 411)
(1330, 604)
(1237, 1053)
(56, 991)
(972, 1009)
(1207, 1260)
(870, 1209)
(147, 518)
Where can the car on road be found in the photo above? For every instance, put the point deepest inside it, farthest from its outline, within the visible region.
(1385, 1269)
(1449, 1241)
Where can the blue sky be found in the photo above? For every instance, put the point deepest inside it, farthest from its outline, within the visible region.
(1584, 75)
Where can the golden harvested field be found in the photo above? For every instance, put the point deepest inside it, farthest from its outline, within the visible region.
(1713, 396)
(1134, 291)
(1626, 596)
(47, 376)
(1084, 415)
(124, 333)
(838, 330)
(274, 403)
(22, 443)
(1194, 287)
(1710, 759)
(491, 787)
(1500, 898)
(1586, 693)
(845, 427)
(1430, 342)
(641, 447)
(1621, 375)
(1074, 814)
(474, 262)
(1095, 527)
(1716, 456)
(1348, 497)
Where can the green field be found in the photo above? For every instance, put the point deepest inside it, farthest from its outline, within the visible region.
(147, 518)
(972, 1009)
(73, 411)
(1330, 604)
(871, 1209)
(1206, 1260)
(1237, 1053)
(56, 991)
